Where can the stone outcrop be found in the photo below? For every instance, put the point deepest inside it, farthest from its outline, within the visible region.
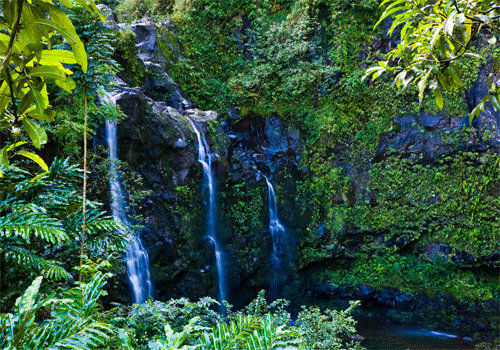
(261, 146)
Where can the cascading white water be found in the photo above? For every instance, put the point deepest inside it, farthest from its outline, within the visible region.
(205, 159)
(278, 233)
(137, 257)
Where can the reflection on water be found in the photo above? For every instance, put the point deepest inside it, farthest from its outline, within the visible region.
(381, 334)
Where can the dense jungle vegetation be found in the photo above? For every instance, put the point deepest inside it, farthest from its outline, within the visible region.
(301, 60)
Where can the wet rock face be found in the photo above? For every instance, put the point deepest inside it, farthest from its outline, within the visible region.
(109, 16)
(489, 120)
(146, 42)
(421, 137)
(425, 135)
(265, 145)
(153, 141)
(158, 143)
(158, 83)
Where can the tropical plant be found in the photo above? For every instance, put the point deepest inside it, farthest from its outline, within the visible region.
(73, 323)
(143, 322)
(243, 332)
(329, 330)
(252, 333)
(40, 221)
(434, 36)
(172, 340)
(261, 326)
(28, 61)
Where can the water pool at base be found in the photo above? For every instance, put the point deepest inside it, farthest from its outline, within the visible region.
(382, 334)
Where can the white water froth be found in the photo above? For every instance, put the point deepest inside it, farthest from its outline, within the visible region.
(443, 335)
(136, 257)
(205, 159)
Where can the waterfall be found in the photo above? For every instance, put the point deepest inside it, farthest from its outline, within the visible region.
(278, 234)
(205, 159)
(137, 258)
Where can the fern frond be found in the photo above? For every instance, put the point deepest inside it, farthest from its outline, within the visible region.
(74, 329)
(78, 334)
(272, 337)
(96, 220)
(26, 259)
(25, 230)
(235, 335)
(26, 219)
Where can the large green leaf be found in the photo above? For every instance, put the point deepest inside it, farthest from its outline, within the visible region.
(36, 133)
(90, 6)
(52, 72)
(60, 22)
(50, 57)
(38, 98)
(34, 157)
(4, 157)
(439, 97)
(9, 11)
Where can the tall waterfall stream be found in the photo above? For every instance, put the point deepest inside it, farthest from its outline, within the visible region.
(136, 257)
(278, 234)
(209, 192)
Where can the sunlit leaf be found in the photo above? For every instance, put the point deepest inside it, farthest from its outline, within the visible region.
(35, 132)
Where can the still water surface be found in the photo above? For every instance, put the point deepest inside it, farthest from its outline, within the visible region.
(382, 334)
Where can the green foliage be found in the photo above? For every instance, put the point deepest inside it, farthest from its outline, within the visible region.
(252, 333)
(281, 70)
(41, 222)
(125, 54)
(406, 205)
(131, 10)
(68, 127)
(98, 40)
(143, 322)
(27, 64)
(464, 189)
(329, 330)
(433, 39)
(419, 274)
(257, 328)
(242, 209)
(72, 324)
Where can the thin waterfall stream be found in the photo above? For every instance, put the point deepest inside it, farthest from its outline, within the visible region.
(209, 192)
(137, 257)
(278, 234)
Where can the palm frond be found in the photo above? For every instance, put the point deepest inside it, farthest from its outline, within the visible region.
(102, 233)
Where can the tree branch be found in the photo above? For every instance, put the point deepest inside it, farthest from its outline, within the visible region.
(15, 29)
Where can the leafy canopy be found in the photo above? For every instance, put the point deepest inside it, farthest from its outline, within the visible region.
(28, 30)
(434, 36)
